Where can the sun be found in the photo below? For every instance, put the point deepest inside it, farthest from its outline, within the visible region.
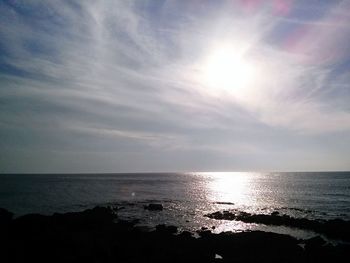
(226, 69)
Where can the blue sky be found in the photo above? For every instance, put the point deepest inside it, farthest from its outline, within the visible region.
(128, 86)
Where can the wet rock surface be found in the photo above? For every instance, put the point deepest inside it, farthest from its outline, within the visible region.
(335, 228)
(96, 235)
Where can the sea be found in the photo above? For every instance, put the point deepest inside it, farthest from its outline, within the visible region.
(186, 197)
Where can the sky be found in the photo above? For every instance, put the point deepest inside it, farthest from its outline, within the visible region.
(164, 85)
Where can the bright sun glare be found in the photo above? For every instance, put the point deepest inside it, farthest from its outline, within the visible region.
(227, 70)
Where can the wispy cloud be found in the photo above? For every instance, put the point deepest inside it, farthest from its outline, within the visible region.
(127, 75)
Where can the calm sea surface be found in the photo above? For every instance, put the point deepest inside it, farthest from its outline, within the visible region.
(186, 197)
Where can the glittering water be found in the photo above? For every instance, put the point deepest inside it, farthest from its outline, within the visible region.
(186, 197)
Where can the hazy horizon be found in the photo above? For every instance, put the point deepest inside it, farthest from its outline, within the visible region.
(177, 172)
(154, 86)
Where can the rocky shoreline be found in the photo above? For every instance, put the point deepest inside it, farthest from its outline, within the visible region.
(97, 235)
(335, 228)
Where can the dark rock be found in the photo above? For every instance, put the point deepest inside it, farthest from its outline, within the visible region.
(129, 223)
(5, 217)
(314, 242)
(317, 250)
(97, 216)
(224, 203)
(172, 229)
(275, 213)
(154, 207)
(166, 229)
(267, 247)
(225, 215)
(33, 223)
(95, 236)
(204, 233)
(142, 228)
(186, 234)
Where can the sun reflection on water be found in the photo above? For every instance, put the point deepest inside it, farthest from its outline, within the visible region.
(228, 187)
(228, 190)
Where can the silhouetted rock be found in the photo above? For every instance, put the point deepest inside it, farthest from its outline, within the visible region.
(96, 235)
(32, 224)
(315, 242)
(225, 215)
(5, 217)
(256, 246)
(166, 229)
(224, 203)
(89, 218)
(154, 207)
(318, 250)
(186, 234)
(204, 232)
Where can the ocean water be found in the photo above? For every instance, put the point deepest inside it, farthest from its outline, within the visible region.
(186, 197)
